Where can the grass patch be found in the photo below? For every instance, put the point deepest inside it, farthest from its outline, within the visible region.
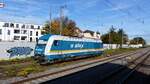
(19, 67)
(22, 69)
(29, 69)
(117, 51)
(16, 61)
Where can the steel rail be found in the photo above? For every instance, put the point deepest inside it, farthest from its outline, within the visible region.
(108, 59)
(124, 79)
(121, 68)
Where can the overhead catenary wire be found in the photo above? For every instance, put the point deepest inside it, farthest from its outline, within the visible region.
(127, 12)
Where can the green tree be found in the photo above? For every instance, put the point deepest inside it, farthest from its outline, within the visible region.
(110, 37)
(69, 29)
(115, 37)
(138, 40)
(51, 28)
(122, 37)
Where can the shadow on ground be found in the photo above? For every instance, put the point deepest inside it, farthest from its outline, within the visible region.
(95, 74)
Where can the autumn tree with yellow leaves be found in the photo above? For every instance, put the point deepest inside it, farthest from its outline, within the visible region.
(68, 27)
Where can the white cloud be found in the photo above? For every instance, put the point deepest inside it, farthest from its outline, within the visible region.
(26, 19)
(120, 6)
(26, 11)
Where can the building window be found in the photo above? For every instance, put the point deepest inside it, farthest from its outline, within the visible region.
(17, 25)
(30, 39)
(37, 33)
(38, 27)
(23, 26)
(32, 27)
(16, 37)
(36, 39)
(30, 33)
(16, 31)
(6, 25)
(8, 32)
(27, 26)
(11, 25)
(24, 32)
(0, 31)
(23, 38)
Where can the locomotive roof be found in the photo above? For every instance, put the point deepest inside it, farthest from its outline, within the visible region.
(46, 37)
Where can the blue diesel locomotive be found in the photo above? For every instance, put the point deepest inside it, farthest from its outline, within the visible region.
(52, 48)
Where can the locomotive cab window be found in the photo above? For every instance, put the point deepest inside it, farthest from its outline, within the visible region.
(56, 43)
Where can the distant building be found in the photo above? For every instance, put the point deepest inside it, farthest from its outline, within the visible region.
(10, 31)
(78, 32)
(91, 34)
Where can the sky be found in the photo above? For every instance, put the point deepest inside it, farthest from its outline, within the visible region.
(97, 15)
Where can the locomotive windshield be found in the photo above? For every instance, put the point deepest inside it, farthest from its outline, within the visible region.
(41, 42)
(40, 47)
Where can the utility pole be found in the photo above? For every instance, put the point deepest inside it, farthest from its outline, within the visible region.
(137, 41)
(110, 39)
(122, 39)
(50, 21)
(122, 36)
(61, 17)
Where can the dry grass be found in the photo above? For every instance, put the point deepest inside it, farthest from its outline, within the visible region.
(23, 67)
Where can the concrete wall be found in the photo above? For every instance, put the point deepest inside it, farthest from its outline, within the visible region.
(115, 46)
(4, 46)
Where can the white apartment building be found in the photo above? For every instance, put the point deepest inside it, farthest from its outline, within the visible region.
(91, 34)
(10, 31)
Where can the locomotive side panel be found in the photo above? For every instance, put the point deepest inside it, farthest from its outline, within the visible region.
(62, 47)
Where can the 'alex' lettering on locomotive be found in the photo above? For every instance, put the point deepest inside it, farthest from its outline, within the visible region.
(76, 45)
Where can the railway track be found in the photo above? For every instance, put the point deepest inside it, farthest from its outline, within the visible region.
(141, 75)
(124, 79)
(50, 76)
(122, 74)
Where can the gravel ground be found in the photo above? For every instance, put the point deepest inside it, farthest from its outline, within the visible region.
(142, 75)
(89, 76)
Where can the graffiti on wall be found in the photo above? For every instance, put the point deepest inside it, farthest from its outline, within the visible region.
(19, 51)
